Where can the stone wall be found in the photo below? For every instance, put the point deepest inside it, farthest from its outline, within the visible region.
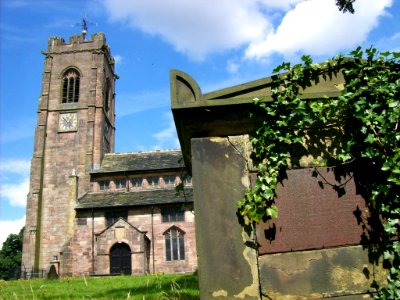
(58, 155)
(320, 246)
(149, 226)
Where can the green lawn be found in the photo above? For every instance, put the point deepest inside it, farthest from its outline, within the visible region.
(163, 287)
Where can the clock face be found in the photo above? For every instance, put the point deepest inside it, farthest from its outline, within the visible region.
(68, 122)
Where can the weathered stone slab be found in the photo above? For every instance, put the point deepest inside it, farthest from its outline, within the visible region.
(227, 267)
(316, 274)
(314, 215)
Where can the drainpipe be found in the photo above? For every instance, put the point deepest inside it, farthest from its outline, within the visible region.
(152, 236)
(92, 241)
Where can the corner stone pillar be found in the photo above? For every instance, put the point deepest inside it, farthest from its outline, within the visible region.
(65, 263)
(227, 267)
(72, 196)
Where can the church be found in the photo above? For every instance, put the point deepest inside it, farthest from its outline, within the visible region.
(91, 211)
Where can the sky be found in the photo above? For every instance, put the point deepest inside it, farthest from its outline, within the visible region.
(220, 43)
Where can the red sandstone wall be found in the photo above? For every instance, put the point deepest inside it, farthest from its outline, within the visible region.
(141, 218)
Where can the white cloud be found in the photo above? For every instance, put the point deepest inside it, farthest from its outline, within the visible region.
(316, 27)
(261, 27)
(280, 4)
(167, 137)
(14, 185)
(15, 193)
(18, 166)
(196, 28)
(8, 227)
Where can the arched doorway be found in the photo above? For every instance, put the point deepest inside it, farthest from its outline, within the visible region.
(120, 259)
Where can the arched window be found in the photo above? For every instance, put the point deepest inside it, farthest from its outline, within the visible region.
(174, 244)
(70, 86)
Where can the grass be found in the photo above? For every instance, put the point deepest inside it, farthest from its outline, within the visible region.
(162, 287)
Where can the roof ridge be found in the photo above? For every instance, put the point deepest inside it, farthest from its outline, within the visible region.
(145, 151)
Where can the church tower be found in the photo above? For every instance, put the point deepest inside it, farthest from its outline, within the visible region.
(75, 128)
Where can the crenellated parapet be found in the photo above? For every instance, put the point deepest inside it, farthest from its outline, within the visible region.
(76, 44)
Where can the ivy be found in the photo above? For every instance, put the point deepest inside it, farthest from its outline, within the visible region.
(366, 115)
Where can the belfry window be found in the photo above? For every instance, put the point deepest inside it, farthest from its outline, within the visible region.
(174, 244)
(70, 86)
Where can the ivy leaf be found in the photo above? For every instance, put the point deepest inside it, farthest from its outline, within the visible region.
(272, 211)
(385, 166)
(390, 226)
(388, 255)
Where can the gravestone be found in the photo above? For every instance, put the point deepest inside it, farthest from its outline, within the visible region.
(318, 247)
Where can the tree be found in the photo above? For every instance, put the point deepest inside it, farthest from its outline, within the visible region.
(10, 256)
(345, 5)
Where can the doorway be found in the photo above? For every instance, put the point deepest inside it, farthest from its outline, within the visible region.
(120, 259)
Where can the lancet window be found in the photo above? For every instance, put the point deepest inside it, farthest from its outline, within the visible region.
(70, 86)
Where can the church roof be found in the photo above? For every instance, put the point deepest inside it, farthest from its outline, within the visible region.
(140, 161)
(144, 198)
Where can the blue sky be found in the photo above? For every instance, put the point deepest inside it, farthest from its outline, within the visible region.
(219, 42)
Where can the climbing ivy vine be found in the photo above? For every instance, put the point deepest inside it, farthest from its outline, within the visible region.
(367, 116)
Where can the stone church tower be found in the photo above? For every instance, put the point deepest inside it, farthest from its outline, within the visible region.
(75, 128)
